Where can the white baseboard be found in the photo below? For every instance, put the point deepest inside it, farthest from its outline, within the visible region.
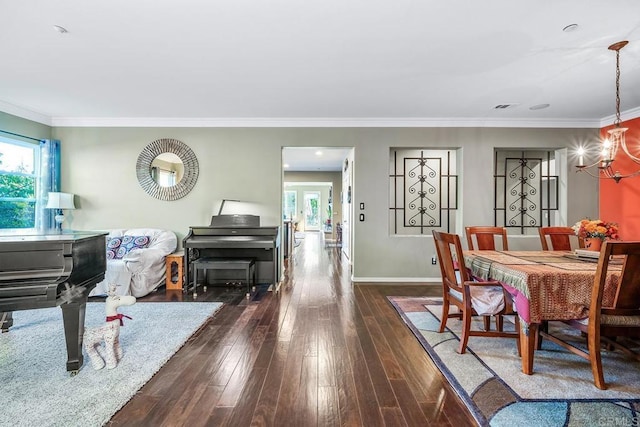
(397, 279)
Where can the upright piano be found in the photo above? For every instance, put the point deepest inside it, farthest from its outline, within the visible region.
(48, 270)
(235, 236)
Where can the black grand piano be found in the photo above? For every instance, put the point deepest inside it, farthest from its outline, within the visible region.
(235, 236)
(48, 270)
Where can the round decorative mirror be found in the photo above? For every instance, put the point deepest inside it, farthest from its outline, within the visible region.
(167, 169)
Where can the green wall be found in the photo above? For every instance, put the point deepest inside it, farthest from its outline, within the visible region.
(18, 125)
(246, 164)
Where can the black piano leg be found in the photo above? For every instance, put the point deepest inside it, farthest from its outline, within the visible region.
(6, 321)
(73, 316)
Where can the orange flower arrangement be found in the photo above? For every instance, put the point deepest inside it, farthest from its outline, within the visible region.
(595, 228)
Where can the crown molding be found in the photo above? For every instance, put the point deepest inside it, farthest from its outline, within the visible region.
(320, 122)
(634, 113)
(25, 113)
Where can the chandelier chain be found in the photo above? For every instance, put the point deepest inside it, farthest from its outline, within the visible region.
(617, 121)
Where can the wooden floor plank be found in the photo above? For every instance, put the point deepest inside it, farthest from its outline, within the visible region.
(248, 399)
(350, 414)
(371, 358)
(244, 371)
(201, 409)
(291, 386)
(328, 407)
(265, 410)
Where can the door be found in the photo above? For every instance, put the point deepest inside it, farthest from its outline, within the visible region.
(347, 182)
(312, 210)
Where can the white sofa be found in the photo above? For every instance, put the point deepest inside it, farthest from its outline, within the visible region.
(140, 270)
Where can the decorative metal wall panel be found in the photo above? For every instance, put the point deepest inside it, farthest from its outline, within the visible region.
(424, 191)
(525, 190)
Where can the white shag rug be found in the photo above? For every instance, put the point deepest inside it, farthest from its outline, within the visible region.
(36, 388)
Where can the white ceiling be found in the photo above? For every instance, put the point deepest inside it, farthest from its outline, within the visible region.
(319, 159)
(317, 63)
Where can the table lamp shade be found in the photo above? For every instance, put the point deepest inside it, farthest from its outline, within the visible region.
(60, 201)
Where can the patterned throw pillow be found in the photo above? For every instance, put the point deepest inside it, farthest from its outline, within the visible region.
(112, 246)
(118, 247)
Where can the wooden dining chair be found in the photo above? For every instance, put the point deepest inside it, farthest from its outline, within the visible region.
(609, 320)
(559, 238)
(470, 297)
(485, 237)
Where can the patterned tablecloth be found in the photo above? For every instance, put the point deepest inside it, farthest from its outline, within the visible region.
(546, 285)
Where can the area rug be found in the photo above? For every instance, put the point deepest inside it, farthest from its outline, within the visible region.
(37, 390)
(489, 380)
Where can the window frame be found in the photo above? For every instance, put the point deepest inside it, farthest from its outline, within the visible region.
(295, 204)
(35, 175)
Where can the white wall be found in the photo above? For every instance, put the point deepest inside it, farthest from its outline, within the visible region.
(99, 167)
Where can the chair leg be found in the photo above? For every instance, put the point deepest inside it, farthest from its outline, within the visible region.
(487, 322)
(610, 344)
(445, 315)
(595, 358)
(466, 327)
(248, 279)
(195, 284)
(544, 327)
(517, 322)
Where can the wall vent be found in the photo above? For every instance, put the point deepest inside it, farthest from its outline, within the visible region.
(504, 106)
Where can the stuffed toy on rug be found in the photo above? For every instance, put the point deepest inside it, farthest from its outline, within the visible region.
(108, 333)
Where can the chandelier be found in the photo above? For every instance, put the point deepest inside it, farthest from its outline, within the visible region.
(603, 167)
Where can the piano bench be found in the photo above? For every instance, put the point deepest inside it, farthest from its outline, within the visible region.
(246, 264)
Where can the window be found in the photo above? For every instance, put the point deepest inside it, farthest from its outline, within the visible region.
(290, 201)
(423, 191)
(19, 162)
(526, 190)
(164, 178)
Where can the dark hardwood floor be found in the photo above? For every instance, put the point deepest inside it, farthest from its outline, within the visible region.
(319, 352)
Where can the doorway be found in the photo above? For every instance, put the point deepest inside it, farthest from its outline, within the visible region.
(312, 210)
(320, 170)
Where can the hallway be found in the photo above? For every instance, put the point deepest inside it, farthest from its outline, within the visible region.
(320, 352)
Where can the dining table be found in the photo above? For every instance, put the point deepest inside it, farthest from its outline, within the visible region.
(545, 286)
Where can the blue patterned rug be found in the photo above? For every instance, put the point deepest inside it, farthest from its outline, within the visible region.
(37, 390)
(489, 380)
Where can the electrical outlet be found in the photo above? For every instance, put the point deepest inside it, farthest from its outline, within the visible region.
(433, 260)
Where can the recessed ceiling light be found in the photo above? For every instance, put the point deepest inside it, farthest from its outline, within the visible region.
(539, 107)
(286, 165)
(570, 27)
(318, 153)
(60, 29)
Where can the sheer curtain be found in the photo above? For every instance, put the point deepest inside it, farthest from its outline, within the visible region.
(49, 180)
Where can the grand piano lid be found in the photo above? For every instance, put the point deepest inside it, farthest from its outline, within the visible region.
(46, 235)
